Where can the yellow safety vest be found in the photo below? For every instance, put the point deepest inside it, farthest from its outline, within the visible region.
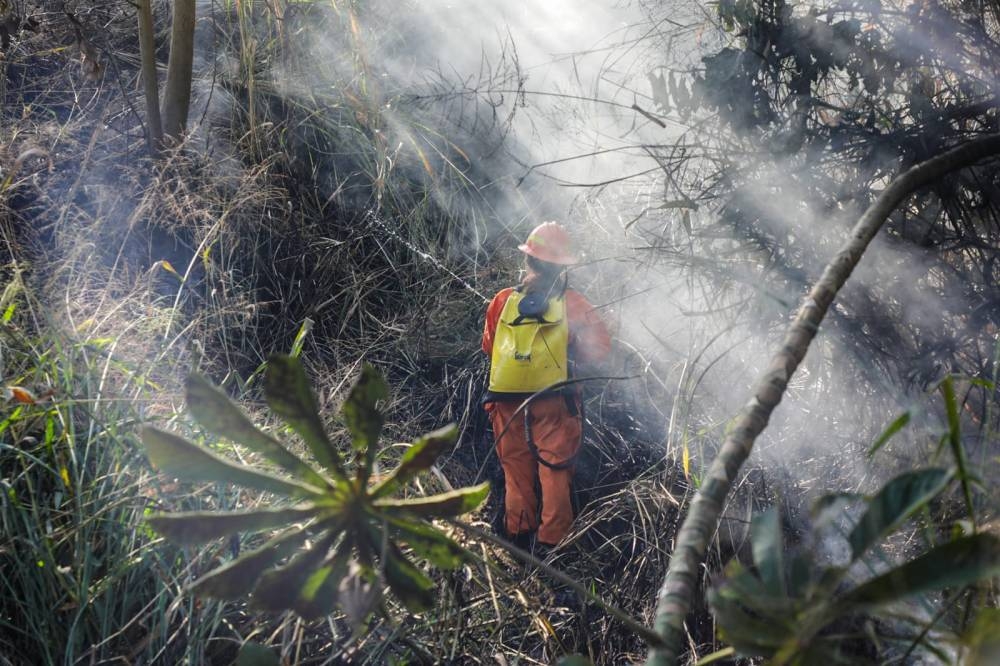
(529, 354)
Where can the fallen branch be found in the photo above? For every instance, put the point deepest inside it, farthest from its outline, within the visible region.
(681, 582)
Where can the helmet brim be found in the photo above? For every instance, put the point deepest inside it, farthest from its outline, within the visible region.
(562, 259)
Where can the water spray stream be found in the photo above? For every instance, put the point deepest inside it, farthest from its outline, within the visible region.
(373, 218)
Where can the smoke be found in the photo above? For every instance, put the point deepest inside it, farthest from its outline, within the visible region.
(570, 111)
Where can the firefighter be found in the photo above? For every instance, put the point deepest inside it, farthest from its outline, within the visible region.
(534, 333)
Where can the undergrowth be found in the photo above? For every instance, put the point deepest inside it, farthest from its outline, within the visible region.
(320, 205)
(316, 206)
(82, 579)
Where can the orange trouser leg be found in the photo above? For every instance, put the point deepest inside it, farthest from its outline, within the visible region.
(557, 437)
(519, 469)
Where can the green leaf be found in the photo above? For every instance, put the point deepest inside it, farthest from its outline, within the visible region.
(821, 650)
(893, 504)
(767, 550)
(743, 586)
(724, 653)
(177, 457)
(318, 594)
(887, 434)
(254, 654)
(363, 419)
(751, 632)
(955, 442)
(406, 581)
(428, 542)
(799, 570)
(300, 337)
(982, 383)
(287, 390)
(444, 505)
(418, 458)
(951, 409)
(202, 526)
(279, 589)
(954, 564)
(826, 502)
(238, 577)
(213, 409)
(983, 639)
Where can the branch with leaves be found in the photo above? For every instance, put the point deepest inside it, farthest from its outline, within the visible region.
(681, 582)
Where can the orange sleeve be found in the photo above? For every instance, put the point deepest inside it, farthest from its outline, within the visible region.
(492, 317)
(589, 335)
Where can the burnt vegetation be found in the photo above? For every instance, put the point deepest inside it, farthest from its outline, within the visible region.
(342, 199)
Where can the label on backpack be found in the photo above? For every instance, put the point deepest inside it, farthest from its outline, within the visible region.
(529, 353)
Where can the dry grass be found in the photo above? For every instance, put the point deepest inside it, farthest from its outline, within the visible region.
(287, 205)
(214, 259)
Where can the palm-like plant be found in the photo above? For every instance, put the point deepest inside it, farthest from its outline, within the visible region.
(344, 534)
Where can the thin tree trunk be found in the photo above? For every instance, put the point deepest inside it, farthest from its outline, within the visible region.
(177, 93)
(147, 53)
(681, 582)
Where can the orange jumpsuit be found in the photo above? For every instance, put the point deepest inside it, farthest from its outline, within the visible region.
(555, 430)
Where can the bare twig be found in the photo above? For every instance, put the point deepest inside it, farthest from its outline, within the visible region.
(526, 557)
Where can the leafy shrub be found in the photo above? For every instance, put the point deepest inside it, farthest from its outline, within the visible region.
(343, 534)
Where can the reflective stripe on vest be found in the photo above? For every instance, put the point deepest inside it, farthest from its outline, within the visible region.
(529, 355)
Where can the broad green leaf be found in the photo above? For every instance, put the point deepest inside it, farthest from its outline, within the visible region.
(444, 505)
(213, 409)
(829, 509)
(954, 564)
(893, 504)
(364, 421)
(202, 526)
(747, 631)
(418, 458)
(742, 586)
(767, 550)
(407, 582)
(238, 577)
(318, 595)
(887, 434)
(428, 542)
(254, 654)
(278, 589)
(799, 568)
(286, 388)
(820, 650)
(175, 456)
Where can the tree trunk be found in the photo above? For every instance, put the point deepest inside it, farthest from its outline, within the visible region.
(177, 94)
(681, 582)
(150, 84)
